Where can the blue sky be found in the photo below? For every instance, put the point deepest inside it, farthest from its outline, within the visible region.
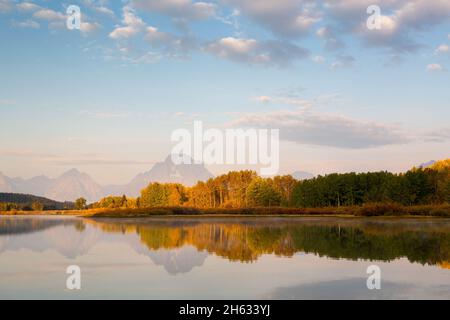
(106, 98)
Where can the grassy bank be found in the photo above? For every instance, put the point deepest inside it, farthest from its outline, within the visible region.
(369, 210)
(364, 211)
(47, 213)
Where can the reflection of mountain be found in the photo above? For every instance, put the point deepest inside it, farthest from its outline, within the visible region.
(64, 235)
(12, 225)
(180, 260)
(71, 238)
(22, 225)
(247, 239)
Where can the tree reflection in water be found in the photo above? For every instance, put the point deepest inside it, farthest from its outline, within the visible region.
(246, 239)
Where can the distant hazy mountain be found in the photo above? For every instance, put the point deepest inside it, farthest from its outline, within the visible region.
(426, 164)
(5, 183)
(74, 184)
(166, 171)
(302, 175)
(67, 187)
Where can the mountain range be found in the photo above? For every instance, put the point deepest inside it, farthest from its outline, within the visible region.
(166, 171)
(74, 184)
(302, 175)
(427, 164)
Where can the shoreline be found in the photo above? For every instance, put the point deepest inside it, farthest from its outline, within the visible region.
(373, 210)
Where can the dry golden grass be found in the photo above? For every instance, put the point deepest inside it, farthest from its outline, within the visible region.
(51, 212)
(368, 210)
(364, 211)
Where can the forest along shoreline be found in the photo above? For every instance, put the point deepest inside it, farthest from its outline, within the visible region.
(419, 192)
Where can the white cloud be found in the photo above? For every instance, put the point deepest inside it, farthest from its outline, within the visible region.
(130, 18)
(132, 25)
(123, 32)
(443, 48)
(5, 6)
(331, 42)
(233, 46)
(287, 100)
(179, 114)
(99, 6)
(49, 15)
(88, 27)
(324, 129)
(400, 21)
(318, 59)
(294, 96)
(251, 51)
(27, 6)
(423, 13)
(390, 35)
(435, 67)
(105, 11)
(141, 58)
(183, 9)
(57, 25)
(343, 61)
(173, 45)
(104, 114)
(56, 20)
(27, 24)
(263, 99)
(288, 18)
(439, 135)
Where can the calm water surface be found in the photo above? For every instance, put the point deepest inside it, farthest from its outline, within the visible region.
(224, 258)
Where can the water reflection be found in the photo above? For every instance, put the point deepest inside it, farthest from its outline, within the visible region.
(183, 243)
(63, 234)
(14, 225)
(346, 289)
(245, 240)
(223, 258)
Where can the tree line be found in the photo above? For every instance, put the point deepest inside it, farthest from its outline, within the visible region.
(26, 202)
(241, 189)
